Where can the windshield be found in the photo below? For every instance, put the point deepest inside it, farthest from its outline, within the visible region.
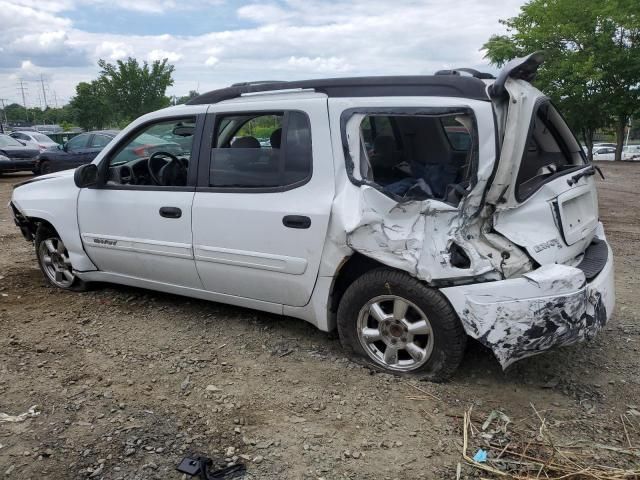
(7, 141)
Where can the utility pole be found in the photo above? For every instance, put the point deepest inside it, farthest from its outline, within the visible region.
(4, 111)
(44, 95)
(21, 87)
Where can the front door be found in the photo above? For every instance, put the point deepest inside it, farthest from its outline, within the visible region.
(74, 151)
(138, 222)
(262, 206)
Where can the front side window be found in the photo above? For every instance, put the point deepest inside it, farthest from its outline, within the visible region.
(159, 154)
(551, 149)
(261, 150)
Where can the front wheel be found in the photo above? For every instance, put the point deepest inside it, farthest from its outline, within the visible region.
(44, 168)
(54, 261)
(399, 325)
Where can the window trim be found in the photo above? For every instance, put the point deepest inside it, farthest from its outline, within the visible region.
(406, 111)
(192, 172)
(206, 147)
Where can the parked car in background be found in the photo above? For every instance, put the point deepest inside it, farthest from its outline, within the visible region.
(631, 153)
(80, 150)
(16, 156)
(610, 145)
(604, 153)
(83, 148)
(35, 138)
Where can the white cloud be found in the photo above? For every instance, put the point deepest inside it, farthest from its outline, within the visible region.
(158, 54)
(320, 64)
(283, 39)
(211, 61)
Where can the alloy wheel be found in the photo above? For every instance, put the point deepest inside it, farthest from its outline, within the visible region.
(395, 333)
(55, 261)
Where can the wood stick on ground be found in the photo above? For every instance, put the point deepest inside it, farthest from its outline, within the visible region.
(425, 392)
(626, 434)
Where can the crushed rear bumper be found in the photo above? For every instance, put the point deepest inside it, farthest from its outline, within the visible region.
(552, 306)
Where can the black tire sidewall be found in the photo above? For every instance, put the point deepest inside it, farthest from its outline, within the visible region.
(449, 335)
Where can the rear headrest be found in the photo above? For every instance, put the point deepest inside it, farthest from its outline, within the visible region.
(276, 138)
(383, 145)
(245, 142)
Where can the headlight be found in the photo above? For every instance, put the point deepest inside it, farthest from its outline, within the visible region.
(4, 158)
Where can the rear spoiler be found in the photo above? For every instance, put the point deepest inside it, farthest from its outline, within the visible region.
(524, 68)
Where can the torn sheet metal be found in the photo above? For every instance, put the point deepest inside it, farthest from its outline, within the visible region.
(416, 236)
(549, 307)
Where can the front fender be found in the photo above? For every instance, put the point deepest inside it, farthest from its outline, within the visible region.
(53, 198)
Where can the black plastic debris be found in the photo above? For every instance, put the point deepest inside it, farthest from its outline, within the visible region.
(200, 467)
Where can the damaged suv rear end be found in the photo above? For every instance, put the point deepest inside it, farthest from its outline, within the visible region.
(514, 243)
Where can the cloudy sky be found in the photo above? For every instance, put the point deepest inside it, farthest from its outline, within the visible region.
(214, 43)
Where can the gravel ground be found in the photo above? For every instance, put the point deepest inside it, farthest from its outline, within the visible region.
(127, 381)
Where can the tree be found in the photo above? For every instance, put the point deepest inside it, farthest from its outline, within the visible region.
(592, 58)
(90, 106)
(133, 89)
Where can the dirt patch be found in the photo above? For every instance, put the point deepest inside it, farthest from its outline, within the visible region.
(127, 381)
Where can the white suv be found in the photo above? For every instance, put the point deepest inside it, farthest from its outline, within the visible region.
(407, 212)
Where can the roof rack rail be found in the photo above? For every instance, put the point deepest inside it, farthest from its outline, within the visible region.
(256, 82)
(455, 85)
(472, 71)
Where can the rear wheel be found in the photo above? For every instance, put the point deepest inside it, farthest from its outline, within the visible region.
(54, 261)
(399, 325)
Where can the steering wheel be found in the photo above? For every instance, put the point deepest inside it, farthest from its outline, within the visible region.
(158, 172)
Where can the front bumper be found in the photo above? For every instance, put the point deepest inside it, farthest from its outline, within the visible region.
(549, 307)
(26, 227)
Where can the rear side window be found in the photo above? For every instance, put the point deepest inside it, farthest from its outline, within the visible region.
(551, 149)
(261, 150)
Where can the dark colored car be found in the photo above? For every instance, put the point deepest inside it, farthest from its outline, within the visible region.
(79, 150)
(85, 147)
(15, 156)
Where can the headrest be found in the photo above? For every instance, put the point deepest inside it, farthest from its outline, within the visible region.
(245, 142)
(276, 138)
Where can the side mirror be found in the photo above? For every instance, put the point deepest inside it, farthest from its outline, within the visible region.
(86, 175)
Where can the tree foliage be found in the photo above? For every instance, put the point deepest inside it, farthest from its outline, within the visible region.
(133, 89)
(592, 58)
(91, 109)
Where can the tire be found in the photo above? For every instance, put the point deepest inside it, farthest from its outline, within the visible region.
(53, 259)
(387, 310)
(45, 167)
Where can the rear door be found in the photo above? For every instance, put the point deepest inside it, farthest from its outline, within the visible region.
(544, 190)
(261, 209)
